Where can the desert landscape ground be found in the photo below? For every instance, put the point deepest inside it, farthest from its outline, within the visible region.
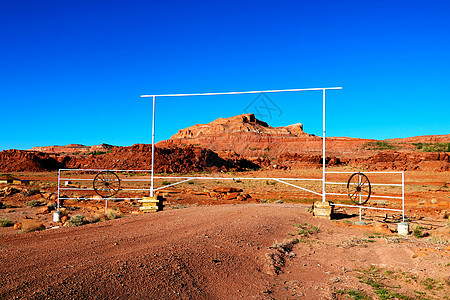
(228, 239)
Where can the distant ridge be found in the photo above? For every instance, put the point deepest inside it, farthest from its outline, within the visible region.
(73, 148)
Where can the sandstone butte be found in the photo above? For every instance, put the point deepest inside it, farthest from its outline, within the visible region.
(250, 137)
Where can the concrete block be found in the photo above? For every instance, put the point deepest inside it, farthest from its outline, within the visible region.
(152, 204)
(323, 210)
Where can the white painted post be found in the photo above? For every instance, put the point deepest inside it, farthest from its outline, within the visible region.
(153, 146)
(324, 197)
(403, 196)
(360, 198)
(59, 176)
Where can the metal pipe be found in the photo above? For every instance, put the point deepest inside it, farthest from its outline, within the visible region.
(298, 187)
(169, 185)
(378, 184)
(369, 172)
(153, 147)
(371, 196)
(366, 207)
(403, 195)
(360, 198)
(239, 93)
(324, 196)
(59, 175)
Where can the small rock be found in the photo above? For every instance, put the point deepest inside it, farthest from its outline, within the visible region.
(18, 226)
(30, 225)
(42, 210)
(51, 205)
(433, 201)
(232, 195)
(53, 197)
(10, 191)
(64, 219)
(47, 195)
(63, 211)
(335, 279)
(226, 190)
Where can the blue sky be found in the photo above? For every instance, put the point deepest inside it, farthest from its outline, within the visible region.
(73, 71)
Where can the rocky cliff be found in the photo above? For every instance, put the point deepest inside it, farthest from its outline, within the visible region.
(250, 137)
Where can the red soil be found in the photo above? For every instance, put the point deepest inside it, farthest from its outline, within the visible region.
(216, 252)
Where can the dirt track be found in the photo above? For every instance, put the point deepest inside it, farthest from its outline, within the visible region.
(209, 252)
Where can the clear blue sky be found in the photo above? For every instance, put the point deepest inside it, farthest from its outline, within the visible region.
(73, 71)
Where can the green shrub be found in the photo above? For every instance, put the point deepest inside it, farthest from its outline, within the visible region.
(76, 220)
(379, 145)
(5, 222)
(166, 182)
(417, 231)
(34, 203)
(111, 215)
(97, 153)
(433, 147)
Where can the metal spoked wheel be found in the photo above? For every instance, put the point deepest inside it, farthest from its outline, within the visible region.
(106, 184)
(358, 188)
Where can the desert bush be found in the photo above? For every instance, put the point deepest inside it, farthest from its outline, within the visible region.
(166, 182)
(417, 231)
(111, 215)
(34, 203)
(29, 225)
(5, 222)
(98, 152)
(30, 191)
(379, 145)
(76, 220)
(433, 147)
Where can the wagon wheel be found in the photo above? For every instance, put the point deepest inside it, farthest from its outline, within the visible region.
(106, 184)
(358, 188)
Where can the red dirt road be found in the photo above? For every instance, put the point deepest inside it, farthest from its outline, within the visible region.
(209, 252)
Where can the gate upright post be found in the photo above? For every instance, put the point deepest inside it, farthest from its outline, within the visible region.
(153, 146)
(324, 197)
